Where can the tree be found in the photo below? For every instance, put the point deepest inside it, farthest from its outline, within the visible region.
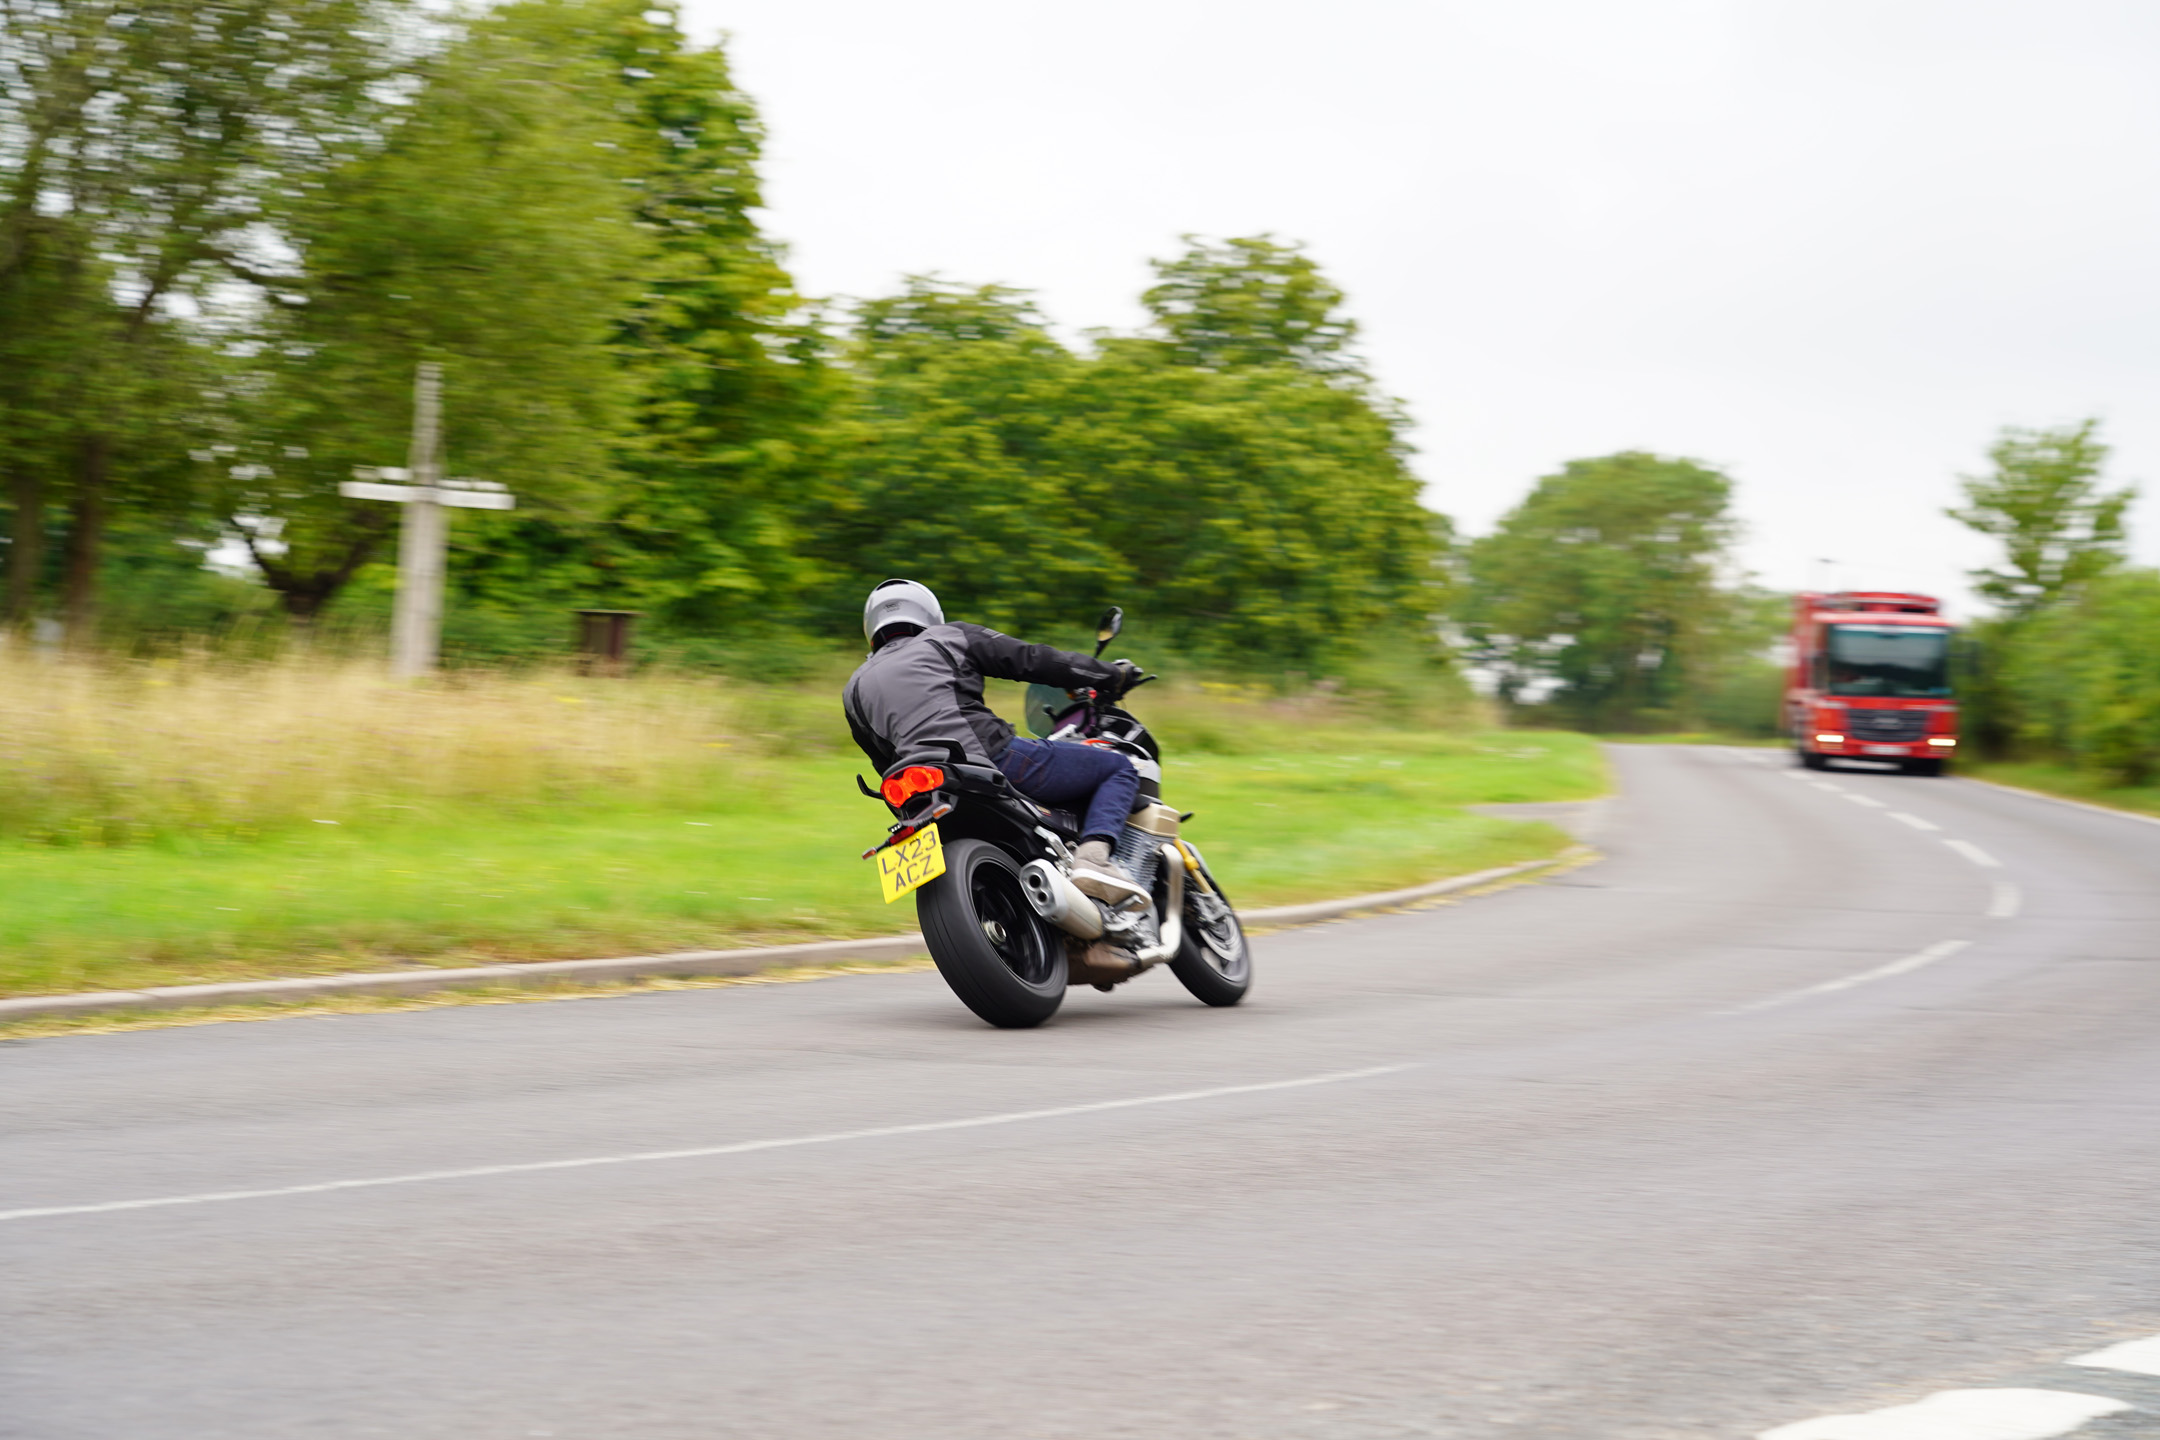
(1602, 586)
(491, 229)
(951, 472)
(895, 331)
(1269, 517)
(148, 145)
(1250, 301)
(1259, 514)
(2043, 501)
(724, 454)
(2083, 676)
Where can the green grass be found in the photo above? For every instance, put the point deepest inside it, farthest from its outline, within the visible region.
(2051, 779)
(1287, 810)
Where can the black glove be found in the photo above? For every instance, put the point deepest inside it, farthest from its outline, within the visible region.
(1128, 675)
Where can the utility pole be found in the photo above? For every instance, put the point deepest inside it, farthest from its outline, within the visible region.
(423, 534)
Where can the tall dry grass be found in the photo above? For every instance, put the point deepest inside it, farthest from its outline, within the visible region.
(102, 752)
(114, 751)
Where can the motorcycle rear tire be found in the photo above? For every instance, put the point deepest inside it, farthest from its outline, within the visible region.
(1005, 962)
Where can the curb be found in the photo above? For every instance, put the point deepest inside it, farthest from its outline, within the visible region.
(1389, 899)
(684, 962)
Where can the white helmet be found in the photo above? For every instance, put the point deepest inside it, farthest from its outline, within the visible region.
(899, 602)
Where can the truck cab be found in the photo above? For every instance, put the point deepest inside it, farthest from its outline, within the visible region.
(1870, 680)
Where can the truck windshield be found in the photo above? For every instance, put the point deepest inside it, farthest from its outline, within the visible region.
(1897, 660)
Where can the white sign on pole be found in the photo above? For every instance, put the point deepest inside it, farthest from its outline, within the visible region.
(416, 626)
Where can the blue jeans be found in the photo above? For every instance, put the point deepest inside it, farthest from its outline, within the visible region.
(1071, 776)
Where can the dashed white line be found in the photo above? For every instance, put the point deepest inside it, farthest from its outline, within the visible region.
(1974, 853)
(1826, 785)
(2004, 900)
(2005, 1414)
(1913, 820)
(2139, 1357)
(1910, 963)
(1867, 800)
(743, 1147)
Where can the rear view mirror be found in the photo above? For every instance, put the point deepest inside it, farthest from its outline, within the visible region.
(1106, 629)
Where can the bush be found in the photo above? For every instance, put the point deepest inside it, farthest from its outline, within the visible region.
(2082, 679)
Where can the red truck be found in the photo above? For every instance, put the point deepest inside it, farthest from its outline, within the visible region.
(1871, 680)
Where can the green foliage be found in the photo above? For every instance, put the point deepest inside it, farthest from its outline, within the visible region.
(487, 231)
(1250, 301)
(1738, 689)
(554, 200)
(1258, 516)
(954, 471)
(146, 146)
(726, 452)
(1745, 699)
(896, 332)
(2044, 502)
(2082, 678)
(1267, 515)
(1602, 586)
(2071, 670)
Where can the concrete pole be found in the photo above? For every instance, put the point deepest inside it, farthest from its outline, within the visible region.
(416, 626)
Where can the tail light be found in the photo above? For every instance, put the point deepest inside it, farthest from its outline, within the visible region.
(915, 780)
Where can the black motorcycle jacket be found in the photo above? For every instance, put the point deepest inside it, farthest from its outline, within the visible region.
(918, 692)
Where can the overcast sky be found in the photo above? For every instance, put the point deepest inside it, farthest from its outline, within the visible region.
(1828, 247)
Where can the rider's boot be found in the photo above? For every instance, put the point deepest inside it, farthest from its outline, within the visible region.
(1095, 873)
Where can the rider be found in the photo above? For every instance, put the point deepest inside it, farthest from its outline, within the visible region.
(923, 686)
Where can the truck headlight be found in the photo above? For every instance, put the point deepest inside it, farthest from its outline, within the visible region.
(1827, 738)
(1943, 740)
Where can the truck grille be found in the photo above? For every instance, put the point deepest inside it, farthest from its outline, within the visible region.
(1891, 725)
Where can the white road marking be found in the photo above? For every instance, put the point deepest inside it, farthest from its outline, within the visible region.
(1913, 820)
(1870, 802)
(1974, 853)
(1905, 966)
(2005, 901)
(2007, 1414)
(742, 1147)
(1826, 785)
(2139, 1357)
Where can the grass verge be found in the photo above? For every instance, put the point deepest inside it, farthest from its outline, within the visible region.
(1287, 810)
(2069, 783)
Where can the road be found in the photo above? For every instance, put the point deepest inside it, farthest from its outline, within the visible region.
(1821, 1094)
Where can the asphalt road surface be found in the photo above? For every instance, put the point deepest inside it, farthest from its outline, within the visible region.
(1821, 1096)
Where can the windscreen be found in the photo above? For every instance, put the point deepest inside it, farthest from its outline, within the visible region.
(1909, 661)
(1046, 705)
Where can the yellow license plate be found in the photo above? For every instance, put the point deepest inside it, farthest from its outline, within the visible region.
(911, 864)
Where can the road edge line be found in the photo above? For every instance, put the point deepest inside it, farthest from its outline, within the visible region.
(2119, 814)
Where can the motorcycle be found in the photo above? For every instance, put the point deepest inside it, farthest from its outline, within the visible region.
(991, 871)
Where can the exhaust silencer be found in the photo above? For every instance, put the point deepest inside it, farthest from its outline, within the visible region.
(1058, 900)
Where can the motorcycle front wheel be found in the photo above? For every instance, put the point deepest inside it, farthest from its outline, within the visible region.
(1003, 960)
(1213, 961)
